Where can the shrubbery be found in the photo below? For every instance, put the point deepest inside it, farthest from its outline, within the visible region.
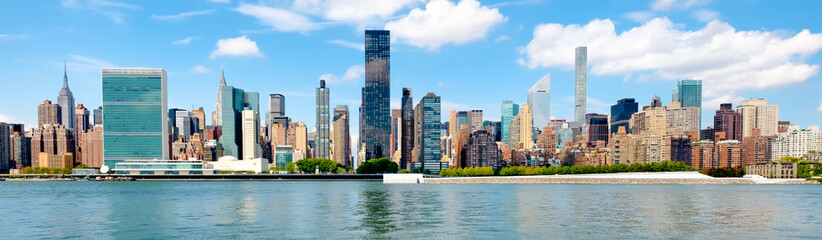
(308, 165)
(724, 172)
(576, 169)
(42, 170)
(467, 172)
(380, 165)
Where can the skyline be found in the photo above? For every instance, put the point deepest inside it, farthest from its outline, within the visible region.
(419, 60)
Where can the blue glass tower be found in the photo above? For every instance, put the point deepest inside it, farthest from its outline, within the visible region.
(621, 114)
(509, 112)
(375, 120)
(136, 119)
(690, 95)
(428, 117)
(234, 100)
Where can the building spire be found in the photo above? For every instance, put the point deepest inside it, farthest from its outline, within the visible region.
(65, 76)
(222, 75)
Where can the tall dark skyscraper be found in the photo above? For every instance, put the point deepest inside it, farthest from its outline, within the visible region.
(621, 114)
(376, 95)
(728, 121)
(323, 139)
(66, 101)
(407, 144)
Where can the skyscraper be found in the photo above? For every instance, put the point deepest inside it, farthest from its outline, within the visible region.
(581, 84)
(323, 125)
(48, 113)
(690, 95)
(376, 106)
(342, 138)
(217, 115)
(233, 102)
(396, 130)
(728, 121)
(597, 128)
(407, 145)
(98, 116)
(539, 99)
(521, 130)
(66, 101)
(428, 117)
(5, 148)
(276, 104)
(621, 114)
(81, 122)
(475, 119)
(509, 112)
(250, 130)
(758, 114)
(199, 113)
(135, 121)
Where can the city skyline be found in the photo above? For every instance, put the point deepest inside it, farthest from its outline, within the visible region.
(418, 67)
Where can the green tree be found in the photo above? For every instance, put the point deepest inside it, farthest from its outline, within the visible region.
(290, 167)
(81, 166)
(325, 165)
(380, 165)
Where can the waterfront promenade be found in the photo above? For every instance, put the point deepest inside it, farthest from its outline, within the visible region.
(614, 178)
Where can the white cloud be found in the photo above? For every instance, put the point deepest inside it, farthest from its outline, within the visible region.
(110, 9)
(502, 38)
(182, 16)
(353, 74)
(184, 41)
(278, 19)
(352, 11)
(13, 36)
(820, 108)
(7, 119)
(236, 47)
(219, 1)
(83, 63)
(725, 59)
(443, 22)
(200, 69)
(665, 5)
(352, 45)
(706, 15)
(639, 16)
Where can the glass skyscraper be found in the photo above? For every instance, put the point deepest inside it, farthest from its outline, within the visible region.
(428, 117)
(621, 114)
(234, 101)
(376, 106)
(407, 143)
(539, 98)
(690, 95)
(509, 112)
(135, 119)
(323, 139)
(581, 84)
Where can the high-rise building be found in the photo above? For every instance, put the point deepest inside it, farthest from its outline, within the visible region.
(48, 113)
(217, 115)
(81, 119)
(91, 146)
(234, 101)
(407, 144)
(396, 130)
(757, 148)
(597, 128)
(5, 148)
(521, 130)
(581, 83)
(276, 105)
(758, 114)
(547, 140)
(250, 128)
(703, 154)
(182, 124)
(509, 112)
(342, 137)
(653, 119)
(98, 116)
(796, 143)
(199, 113)
(135, 121)
(480, 150)
(728, 121)
(66, 101)
(728, 154)
(682, 119)
(376, 105)
(539, 98)
(475, 119)
(323, 123)
(52, 139)
(427, 133)
(621, 114)
(689, 94)
(20, 150)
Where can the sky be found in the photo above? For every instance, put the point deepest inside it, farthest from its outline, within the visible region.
(474, 54)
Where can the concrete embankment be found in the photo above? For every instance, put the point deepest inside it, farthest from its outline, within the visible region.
(614, 178)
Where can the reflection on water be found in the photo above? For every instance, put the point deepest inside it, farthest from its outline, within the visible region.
(355, 210)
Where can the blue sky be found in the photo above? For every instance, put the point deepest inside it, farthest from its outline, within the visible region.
(472, 54)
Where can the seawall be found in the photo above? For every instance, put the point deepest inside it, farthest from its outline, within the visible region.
(614, 178)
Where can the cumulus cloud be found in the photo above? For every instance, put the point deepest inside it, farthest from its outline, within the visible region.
(200, 69)
(443, 22)
(725, 59)
(184, 41)
(236, 47)
(353, 74)
(182, 16)
(352, 45)
(665, 5)
(278, 19)
(352, 11)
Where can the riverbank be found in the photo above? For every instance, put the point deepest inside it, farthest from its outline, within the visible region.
(614, 178)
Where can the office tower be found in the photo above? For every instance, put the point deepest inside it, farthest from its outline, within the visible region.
(276, 115)
(427, 125)
(233, 102)
(690, 95)
(581, 83)
(480, 150)
(757, 148)
(682, 119)
(376, 95)
(342, 137)
(728, 121)
(283, 155)
(182, 124)
(462, 119)
(475, 119)
(48, 113)
(597, 128)
(796, 143)
(651, 120)
(135, 119)
(217, 115)
(494, 128)
(250, 134)
(453, 125)
(675, 94)
(81, 119)
(276, 104)
(20, 150)
(323, 140)
(199, 113)
(5, 148)
(396, 129)
(66, 101)
(407, 144)
(509, 112)
(521, 132)
(539, 98)
(564, 135)
(621, 114)
(758, 114)
(98, 116)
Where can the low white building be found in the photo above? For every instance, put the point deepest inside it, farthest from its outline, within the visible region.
(163, 167)
(232, 164)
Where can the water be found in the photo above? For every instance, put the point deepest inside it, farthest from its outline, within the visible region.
(372, 210)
